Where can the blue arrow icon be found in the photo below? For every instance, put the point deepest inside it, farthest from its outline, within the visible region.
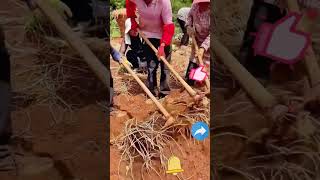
(200, 131)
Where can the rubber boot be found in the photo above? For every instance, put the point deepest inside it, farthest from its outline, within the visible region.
(192, 65)
(261, 12)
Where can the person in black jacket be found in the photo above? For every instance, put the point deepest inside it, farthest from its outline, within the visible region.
(132, 48)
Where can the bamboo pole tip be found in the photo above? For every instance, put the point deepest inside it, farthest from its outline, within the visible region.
(169, 122)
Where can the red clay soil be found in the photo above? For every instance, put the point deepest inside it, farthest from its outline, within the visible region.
(194, 155)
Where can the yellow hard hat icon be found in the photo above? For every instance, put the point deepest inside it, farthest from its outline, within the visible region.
(174, 165)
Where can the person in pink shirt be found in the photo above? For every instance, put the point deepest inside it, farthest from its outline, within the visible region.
(155, 22)
(198, 25)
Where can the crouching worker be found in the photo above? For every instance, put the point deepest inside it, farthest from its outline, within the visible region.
(264, 11)
(182, 16)
(132, 48)
(198, 25)
(155, 22)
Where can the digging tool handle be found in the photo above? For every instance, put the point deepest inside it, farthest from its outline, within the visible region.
(75, 42)
(169, 118)
(311, 62)
(187, 87)
(259, 94)
(200, 60)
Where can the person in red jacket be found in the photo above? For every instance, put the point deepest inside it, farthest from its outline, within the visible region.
(155, 22)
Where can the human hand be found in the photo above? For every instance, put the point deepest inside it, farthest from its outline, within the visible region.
(116, 56)
(161, 52)
(200, 52)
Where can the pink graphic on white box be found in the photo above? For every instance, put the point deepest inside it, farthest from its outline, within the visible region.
(281, 41)
(198, 74)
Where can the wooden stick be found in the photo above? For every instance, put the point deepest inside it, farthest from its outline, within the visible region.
(192, 92)
(311, 62)
(169, 118)
(200, 61)
(259, 94)
(74, 41)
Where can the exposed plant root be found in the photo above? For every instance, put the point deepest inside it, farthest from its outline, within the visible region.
(147, 140)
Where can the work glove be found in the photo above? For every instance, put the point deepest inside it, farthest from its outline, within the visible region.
(190, 31)
(116, 56)
(161, 51)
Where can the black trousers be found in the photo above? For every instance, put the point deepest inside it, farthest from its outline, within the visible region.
(185, 37)
(132, 57)
(153, 64)
(261, 12)
(5, 92)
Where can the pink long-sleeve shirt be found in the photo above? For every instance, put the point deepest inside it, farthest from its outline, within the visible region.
(153, 17)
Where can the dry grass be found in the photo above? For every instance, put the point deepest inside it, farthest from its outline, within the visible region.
(145, 140)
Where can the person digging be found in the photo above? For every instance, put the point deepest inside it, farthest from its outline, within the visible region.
(198, 25)
(155, 22)
(116, 56)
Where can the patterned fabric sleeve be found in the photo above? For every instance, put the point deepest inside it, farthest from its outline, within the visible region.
(206, 43)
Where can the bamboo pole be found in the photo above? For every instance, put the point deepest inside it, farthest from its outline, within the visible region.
(258, 93)
(192, 92)
(170, 119)
(201, 61)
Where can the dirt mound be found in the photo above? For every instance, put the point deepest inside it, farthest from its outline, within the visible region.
(138, 106)
(178, 102)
